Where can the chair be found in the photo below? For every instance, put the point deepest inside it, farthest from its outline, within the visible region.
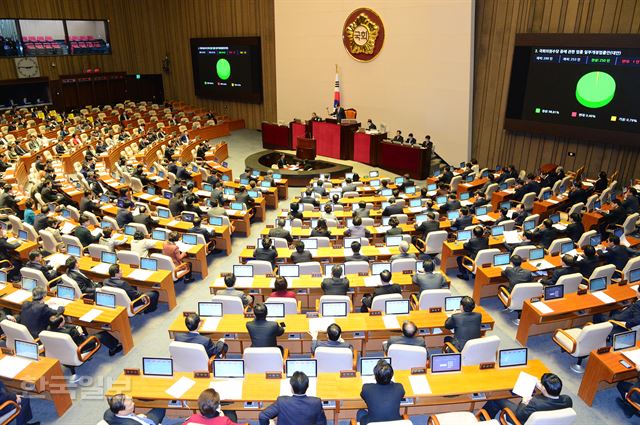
(166, 263)
(534, 217)
(485, 256)
(323, 241)
(61, 346)
(402, 218)
(123, 300)
(605, 271)
(335, 359)
(543, 191)
(13, 331)
(291, 306)
(92, 218)
(455, 181)
(260, 266)
(461, 418)
(112, 221)
(355, 267)
(378, 303)
(96, 250)
(230, 304)
(405, 357)
(189, 357)
(404, 421)
(66, 280)
(580, 342)
(571, 282)
(332, 299)
(49, 242)
(310, 268)
(491, 189)
(40, 278)
(508, 225)
(629, 225)
(14, 411)
(280, 242)
(128, 257)
(632, 264)
(519, 294)
(478, 350)
(32, 235)
(551, 417)
(527, 201)
(523, 251)
(591, 200)
(556, 245)
(430, 298)
(74, 213)
(585, 238)
(434, 241)
(139, 228)
(401, 264)
(263, 359)
(16, 223)
(71, 240)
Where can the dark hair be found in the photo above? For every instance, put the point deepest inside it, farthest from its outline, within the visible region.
(38, 293)
(56, 321)
(260, 310)
(208, 403)
(589, 251)
(614, 240)
(357, 220)
(113, 270)
(383, 372)
(138, 235)
(478, 231)
(385, 276)
(552, 383)
(71, 263)
(299, 246)
(547, 223)
(173, 237)
(575, 217)
(504, 211)
(336, 271)
(334, 331)
(393, 222)
(464, 211)
(327, 208)
(516, 260)
(281, 222)
(299, 382)
(106, 232)
(83, 219)
(34, 254)
(280, 284)
(196, 221)
(230, 280)
(192, 321)
(116, 403)
(428, 266)
(468, 304)
(266, 242)
(409, 329)
(355, 246)
(28, 203)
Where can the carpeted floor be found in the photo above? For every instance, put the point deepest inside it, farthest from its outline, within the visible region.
(151, 337)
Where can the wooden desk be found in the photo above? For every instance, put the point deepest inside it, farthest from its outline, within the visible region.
(471, 186)
(43, 377)
(603, 369)
(566, 311)
(551, 205)
(500, 196)
(401, 159)
(222, 237)
(451, 250)
(333, 254)
(449, 391)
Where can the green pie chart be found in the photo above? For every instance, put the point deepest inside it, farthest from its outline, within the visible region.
(223, 69)
(595, 89)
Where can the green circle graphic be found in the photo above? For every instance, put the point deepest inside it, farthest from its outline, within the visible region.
(223, 68)
(595, 89)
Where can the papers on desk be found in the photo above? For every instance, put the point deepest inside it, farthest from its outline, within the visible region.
(96, 232)
(633, 355)
(603, 297)
(383, 229)
(543, 265)
(525, 385)
(11, 366)
(210, 324)
(173, 223)
(140, 275)
(56, 260)
(67, 228)
(509, 191)
(229, 389)
(391, 322)
(102, 268)
(17, 297)
(416, 210)
(372, 281)
(419, 384)
(542, 307)
(13, 240)
(573, 252)
(384, 251)
(180, 387)
(512, 236)
(320, 324)
(204, 193)
(242, 282)
(552, 201)
(2, 286)
(91, 315)
(625, 242)
(55, 302)
(184, 247)
(145, 196)
(285, 387)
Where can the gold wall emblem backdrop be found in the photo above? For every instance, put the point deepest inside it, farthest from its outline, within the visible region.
(363, 34)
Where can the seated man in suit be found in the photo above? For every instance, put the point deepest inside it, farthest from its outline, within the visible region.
(230, 281)
(408, 337)
(145, 218)
(410, 139)
(550, 387)
(355, 248)
(623, 388)
(394, 230)
(209, 236)
(308, 198)
(58, 324)
(266, 252)
(398, 137)
(362, 210)
(568, 266)
(544, 234)
(192, 322)
(575, 229)
(264, 333)
(473, 246)
(452, 203)
(115, 281)
(589, 261)
(429, 279)
(86, 285)
(622, 320)
(83, 233)
(280, 232)
(335, 285)
(404, 252)
(616, 253)
(37, 263)
(385, 288)
(121, 412)
(124, 215)
(88, 203)
(463, 221)
(25, 415)
(382, 398)
(428, 226)
(465, 325)
(301, 255)
(516, 274)
(393, 208)
(297, 409)
(35, 314)
(334, 340)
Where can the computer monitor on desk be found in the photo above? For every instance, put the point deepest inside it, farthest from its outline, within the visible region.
(553, 292)
(308, 366)
(536, 254)
(624, 340)
(442, 363)
(634, 275)
(598, 284)
(566, 247)
(157, 366)
(392, 307)
(245, 270)
(393, 240)
(74, 250)
(29, 284)
(334, 309)
(108, 257)
(275, 310)
(104, 299)
(463, 235)
(150, 264)
(367, 364)
(28, 350)
(513, 357)
(228, 368)
(501, 259)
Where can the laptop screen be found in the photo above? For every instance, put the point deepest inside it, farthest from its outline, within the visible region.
(497, 231)
(74, 250)
(243, 270)
(151, 190)
(410, 190)
(528, 225)
(108, 257)
(207, 187)
(3, 276)
(157, 366)
(470, 178)
(481, 211)
(452, 215)
(377, 268)
(464, 235)
(396, 307)
(384, 192)
(452, 303)
(308, 366)
(634, 275)
(624, 340)
(244, 181)
(420, 218)
(394, 240)
(385, 220)
(275, 310)
(228, 368)
(441, 200)
(22, 234)
(277, 176)
(215, 221)
(253, 193)
(163, 213)
(374, 173)
(536, 254)
(189, 239)
(129, 230)
(66, 292)
(555, 218)
(28, 284)
(149, 264)
(310, 243)
(236, 206)
(598, 284)
(595, 240)
(513, 357)
(501, 259)
(505, 204)
(566, 247)
(265, 183)
(446, 363)
(432, 187)
(546, 195)
(66, 213)
(209, 309)
(415, 202)
(553, 292)
(255, 173)
(289, 270)
(105, 224)
(465, 196)
(349, 241)
(334, 309)
(188, 217)
(367, 364)
(26, 349)
(374, 183)
(228, 191)
(105, 300)
(167, 194)
(159, 235)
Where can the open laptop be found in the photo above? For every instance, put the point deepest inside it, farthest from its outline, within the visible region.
(308, 366)
(367, 365)
(289, 272)
(159, 235)
(65, 292)
(275, 310)
(74, 250)
(150, 264)
(452, 305)
(513, 357)
(243, 274)
(463, 235)
(210, 309)
(311, 244)
(396, 307)
(624, 340)
(27, 350)
(157, 366)
(443, 363)
(497, 231)
(228, 368)
(393, 240)
(29, 284)
(334, 309)
(105, 300)
(634, 275)
(377, 268)
(501, 260)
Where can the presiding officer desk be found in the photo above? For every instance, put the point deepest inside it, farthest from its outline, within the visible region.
(364, 332)
(448, 391)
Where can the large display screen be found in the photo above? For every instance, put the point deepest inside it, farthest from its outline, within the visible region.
(227, 68)
(581, 86)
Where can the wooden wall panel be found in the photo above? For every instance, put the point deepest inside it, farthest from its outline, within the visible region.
(497, 22)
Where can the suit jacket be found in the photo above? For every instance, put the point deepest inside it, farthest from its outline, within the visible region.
(631, 204)
(87, 204)
(517, 275)
(574, 231)
(427, 227)
(295, 410)
(35, 316)
(309, 200)
(452, 205)
(176, 206)
(544, 236)
(40, 222)
(208, 236)
(462, 222)
(383, 402)
(630, 314)
(392, 209)
(269, 255)
(475, 245)
(132, 292)
(587, 265)
(403, 340)
(85, 236)
(359, 232)
(111, 418)
(618, 255)
(466, 326)
(232, 292)
(577, 195)
(429, 281)
(541, 403)
(87, 286)
(8, 201)
(48, 274)
(279, 232)
(394, 231)
(362, 212)
(196, 338)
(356, 257)
(329, 344)
(145, 219)
(124, 217)
(392, 288)
(301, 257)
(264, 333)
(332, 286)
(557, 274)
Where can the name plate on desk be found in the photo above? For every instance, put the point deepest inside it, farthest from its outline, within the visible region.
(251, 247)
(487, 365)
(132, 372)
(604, 350)
(188, 313)
(316, 275)
(312, 314)
(225, 274)
(435, 310)
(379, 245)
(375, 313)
(347, 373)
(212, 290)
(273, 375)
(337, 246)
(87, 301)
(270, 226)
(418, 370)
(201, 374)
(535, 299)
(363, 274)
(270, 275)
(7, 351)
(249, 316)
(407, 272)
(582, 291)
(622, 283)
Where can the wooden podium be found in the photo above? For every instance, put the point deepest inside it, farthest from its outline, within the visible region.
(306, 148)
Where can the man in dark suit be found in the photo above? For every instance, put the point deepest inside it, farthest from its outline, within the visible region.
(121, 412)
(41, 220)
(429, 279)
(355, 248)
(516, 274)
(577, 193)
(319, 188)
(574, 229)
(296, 409)
(428, 226)
(519, 214)
(465, 325)
(630, 202)
(199, 230)
(617, 254)
(568, 266)
(339, 113)
(84, 234)
(35, 314)
(463, 221)
(410, 139)
(281, 232)
(86, 285)
(87, 203)
(266, 252)
(124, 215)
(58, 324)
(398, 137)
(474, 245)
(36, 262)
(382, 398)
(176, 204)
(307, 198)
(192, 322)
(218, 194)
(7, 200)
(393, 208)
(333, 339)
(589, 261)
(145, 218)
(385, 288)
(25, 415)
(301, 255)
(446, 176)
(115, 281)
(408, 337)
(335, 285)
(544, 234)
(452, 203)
(263, 333)
(550, 387)
(348, 185)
